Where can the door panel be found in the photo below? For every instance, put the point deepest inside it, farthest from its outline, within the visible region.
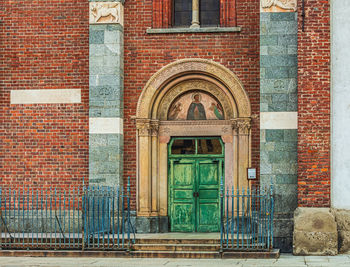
(209, 174)
(190, 211)
(182, 204)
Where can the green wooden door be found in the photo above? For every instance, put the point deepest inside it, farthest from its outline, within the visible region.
(194, 204)
(209, 172)
(183, 206)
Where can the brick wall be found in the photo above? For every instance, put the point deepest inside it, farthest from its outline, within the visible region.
(145, 54)
(44, 45)
(314, 105)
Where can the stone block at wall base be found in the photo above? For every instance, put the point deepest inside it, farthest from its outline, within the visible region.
(152, 224)
(315, 232)
(344, 241)
(342, 218)
(284, 244)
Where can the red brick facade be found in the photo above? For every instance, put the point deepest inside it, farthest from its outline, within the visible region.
(314, 105)
(146, 53)
(44, 45)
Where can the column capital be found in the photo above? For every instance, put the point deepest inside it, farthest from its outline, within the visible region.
(241, 125)
(143, 127)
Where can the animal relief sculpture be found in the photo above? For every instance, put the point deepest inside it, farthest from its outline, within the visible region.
(105, 12)
(279, 5)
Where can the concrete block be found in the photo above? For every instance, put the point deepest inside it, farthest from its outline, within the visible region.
(291, 135)
(315, 232)
(286, 179)
(342, 218)
(282, 16)
(274, 135)
(277, 72)
(96, 37)
(269, 40)
(265, 16)
(277, 50)
(287, 39)
(344, 241)
(283, 27)
(278, 61)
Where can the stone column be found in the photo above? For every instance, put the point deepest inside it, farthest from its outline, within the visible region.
(106, 93)
(155, 162)
(243, 129)
(195, 14)
(278, 111)
(144, 172)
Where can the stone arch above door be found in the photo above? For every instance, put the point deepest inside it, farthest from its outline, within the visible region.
(206, 68)
(154, 130)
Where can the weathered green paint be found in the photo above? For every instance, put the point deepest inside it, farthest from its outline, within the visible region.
(194, 183)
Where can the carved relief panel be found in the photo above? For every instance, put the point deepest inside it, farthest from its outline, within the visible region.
(106, 13)
(278, 5)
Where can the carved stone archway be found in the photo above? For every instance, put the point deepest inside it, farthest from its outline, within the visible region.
(154, 131)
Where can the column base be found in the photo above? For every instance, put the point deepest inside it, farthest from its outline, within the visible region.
(159, 224)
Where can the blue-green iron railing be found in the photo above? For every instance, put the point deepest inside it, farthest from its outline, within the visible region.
(77, 218)
(246, 219)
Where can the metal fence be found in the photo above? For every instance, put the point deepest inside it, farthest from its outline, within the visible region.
(77, 218)
(247, 219)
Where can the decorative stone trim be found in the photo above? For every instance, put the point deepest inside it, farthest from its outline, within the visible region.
(203, 66)
(194, 30)
(242, 125)
(106, 126)
(46, 96)
(143, 127)
(106, 13)
(279, 120)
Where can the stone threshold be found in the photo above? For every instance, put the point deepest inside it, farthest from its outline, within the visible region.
(273, 254)
(194, 30)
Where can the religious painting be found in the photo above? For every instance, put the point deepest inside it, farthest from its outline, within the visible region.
(196, 105)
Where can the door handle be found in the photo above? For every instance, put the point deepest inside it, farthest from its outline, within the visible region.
(195, 194)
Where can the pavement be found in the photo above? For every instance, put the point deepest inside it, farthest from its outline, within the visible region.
(285, 260)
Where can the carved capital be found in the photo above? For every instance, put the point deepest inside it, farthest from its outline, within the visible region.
(241, 126)
(154, 127)
(143, 127)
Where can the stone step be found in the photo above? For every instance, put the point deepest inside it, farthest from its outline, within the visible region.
(183, 241)
(176, 254)
(176, 247)
(175, 241)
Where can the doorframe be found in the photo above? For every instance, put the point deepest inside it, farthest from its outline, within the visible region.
(154, 130)
(196, 158)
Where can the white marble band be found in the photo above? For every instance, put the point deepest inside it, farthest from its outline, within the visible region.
(279, 120)
(106, 126)
(46, 96)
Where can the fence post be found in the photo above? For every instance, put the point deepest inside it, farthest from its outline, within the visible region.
(221, 214)
(0, 218)
(83, 214)
(128, 203)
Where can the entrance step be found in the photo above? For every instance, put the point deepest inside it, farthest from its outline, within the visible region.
(177, 241)
(177, 247)
(176, 254)
(192, 246)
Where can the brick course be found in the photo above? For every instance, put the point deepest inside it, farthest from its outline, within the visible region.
(146, 54)
(314, 105)
(44, 45)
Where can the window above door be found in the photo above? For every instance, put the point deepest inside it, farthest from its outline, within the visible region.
(198, 146)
